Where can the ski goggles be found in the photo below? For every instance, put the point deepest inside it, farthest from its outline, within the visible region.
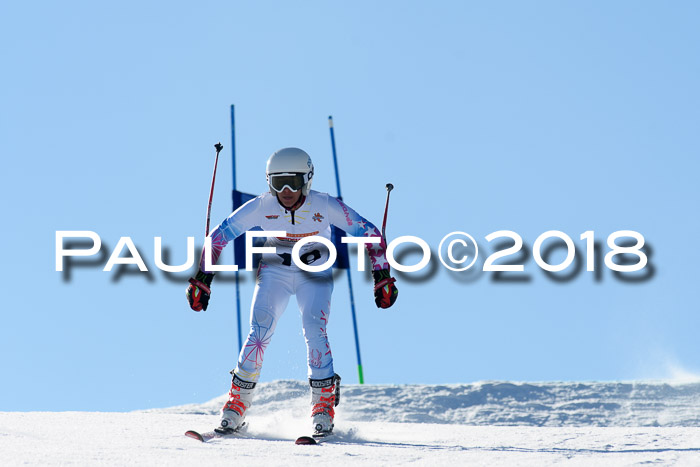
(293, 181)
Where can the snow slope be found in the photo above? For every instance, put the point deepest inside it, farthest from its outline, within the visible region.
(490, 403)
(484, 423)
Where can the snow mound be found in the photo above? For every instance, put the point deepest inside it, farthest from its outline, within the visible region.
(613, 404)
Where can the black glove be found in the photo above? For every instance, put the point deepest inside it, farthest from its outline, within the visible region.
(199, 291)
(385, 292)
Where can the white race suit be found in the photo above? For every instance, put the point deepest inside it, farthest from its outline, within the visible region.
(278, 277)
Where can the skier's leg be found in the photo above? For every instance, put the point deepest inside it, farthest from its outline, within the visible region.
(314, 298)
(272, 292)
(273, 288)
(313, 291)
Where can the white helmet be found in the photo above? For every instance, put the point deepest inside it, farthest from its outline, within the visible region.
(289, 168)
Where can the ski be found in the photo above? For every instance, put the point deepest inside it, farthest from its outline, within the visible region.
(314, 439)
(210, 435)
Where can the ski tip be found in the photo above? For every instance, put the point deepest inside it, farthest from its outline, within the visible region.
(194, 435)
(305, 440)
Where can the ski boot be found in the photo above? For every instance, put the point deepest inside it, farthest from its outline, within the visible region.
(325, 396)
(239, 399)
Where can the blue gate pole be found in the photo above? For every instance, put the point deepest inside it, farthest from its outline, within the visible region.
(352, 297)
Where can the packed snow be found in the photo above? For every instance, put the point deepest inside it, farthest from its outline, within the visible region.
(493, 423)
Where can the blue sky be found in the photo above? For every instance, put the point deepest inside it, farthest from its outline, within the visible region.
(525, 117)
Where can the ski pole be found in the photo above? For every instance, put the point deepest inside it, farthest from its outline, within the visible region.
(389, 187)
(218, 147)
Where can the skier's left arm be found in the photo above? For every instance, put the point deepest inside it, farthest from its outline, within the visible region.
(347, 219)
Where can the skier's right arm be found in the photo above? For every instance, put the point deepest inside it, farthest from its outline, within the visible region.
(240, 221)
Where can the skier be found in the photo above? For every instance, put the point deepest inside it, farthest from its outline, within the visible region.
(291, 206)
